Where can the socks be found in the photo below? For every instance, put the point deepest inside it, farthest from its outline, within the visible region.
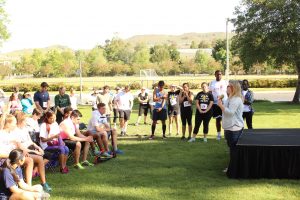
(164, 127)
(153, 129)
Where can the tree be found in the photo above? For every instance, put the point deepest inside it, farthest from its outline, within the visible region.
(219, 52)
(118, 50)
(269, 30)
(141, 54)
(193, 45)
(159, 53)
(203, 45)
(4, 35)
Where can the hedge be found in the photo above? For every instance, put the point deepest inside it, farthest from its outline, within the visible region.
(259, 83)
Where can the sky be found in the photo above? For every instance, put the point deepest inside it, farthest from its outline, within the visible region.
(83, 24)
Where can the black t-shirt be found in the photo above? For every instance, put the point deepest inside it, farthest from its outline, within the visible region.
(173, 101)
(186, 105)
(143, 97)
(204, 99)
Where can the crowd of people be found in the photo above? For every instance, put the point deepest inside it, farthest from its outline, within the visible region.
(32, 132)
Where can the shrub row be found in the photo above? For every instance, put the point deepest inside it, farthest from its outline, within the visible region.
(259, 83)
(36, 86)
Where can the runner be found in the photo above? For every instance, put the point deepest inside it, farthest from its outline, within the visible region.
(144, 106)
(248, 100)
(174, 108)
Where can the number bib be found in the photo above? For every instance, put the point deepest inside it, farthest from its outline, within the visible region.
(45, 104)
(203, 106)
(186, 104)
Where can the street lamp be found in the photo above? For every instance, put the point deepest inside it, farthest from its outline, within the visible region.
(227, 51)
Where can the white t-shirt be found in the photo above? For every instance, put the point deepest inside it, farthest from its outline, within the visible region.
(124, 100)
(73, 100)
(218, 88)
(23, 136)
(54, 130)
(68, 123)
(7, 142)
(97, 120)
(32, 125)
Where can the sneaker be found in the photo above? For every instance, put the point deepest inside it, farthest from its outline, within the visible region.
(182, 138)
(164, 137)
(204, 139)
(96, 153)
(118, 151)
(136, 124)
(151, 137)
(219, 137)
(192, 140)
(122, 133)
(189, 138)
(225, 170)
(78, 166)
(64, 170)
(46, 187)
(106, 154)
(87, 163)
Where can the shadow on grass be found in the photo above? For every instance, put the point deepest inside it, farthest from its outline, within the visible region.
(159, 169)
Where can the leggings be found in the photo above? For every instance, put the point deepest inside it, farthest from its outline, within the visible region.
(199, 117)
(116, 115)
(248, 116)
(186, 116)
(62, 148)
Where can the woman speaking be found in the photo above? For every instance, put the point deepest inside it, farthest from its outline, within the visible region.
(232, 115)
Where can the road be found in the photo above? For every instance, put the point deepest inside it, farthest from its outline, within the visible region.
(274, 96)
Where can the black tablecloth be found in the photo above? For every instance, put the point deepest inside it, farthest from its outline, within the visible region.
(267, 153)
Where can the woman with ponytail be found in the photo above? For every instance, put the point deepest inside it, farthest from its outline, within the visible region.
(12, 185)
(8, 142)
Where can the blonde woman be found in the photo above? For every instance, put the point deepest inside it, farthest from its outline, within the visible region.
(232, 117)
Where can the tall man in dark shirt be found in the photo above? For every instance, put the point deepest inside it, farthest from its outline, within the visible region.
(62, 100)
(42, 100)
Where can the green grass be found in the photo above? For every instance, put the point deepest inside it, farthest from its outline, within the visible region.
(172, 169)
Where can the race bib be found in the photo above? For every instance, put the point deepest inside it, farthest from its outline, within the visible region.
(186, 104)
(203, 106)
(173, 102)
(144, 103)
(45, 104)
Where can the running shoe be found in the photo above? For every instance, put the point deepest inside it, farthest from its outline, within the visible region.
(219, 137)
(204, 139)
(151, 137)
(106, 154)
(87, 163)
(192, 140)
(78, 166)
(118, 151)
(46, 187)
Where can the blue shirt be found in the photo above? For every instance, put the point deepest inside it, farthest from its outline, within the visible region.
(7, 181)
(158, 104)
(42, 98)
(27, 106)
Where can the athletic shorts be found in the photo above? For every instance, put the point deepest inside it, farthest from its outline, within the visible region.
(143, 109)
(162, 115)
(72, 144)
(217, 112)
(125, 114)
(173, 112)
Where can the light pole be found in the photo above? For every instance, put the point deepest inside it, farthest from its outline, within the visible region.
(227, 51)
(80, 73)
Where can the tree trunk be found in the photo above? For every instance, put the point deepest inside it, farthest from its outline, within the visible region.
(297, 93)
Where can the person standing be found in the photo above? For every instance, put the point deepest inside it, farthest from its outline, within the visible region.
(41, 100)
(143, 99)
(218, 89)
(186, 98)
(248, 101)
(204, 102)
(115, 109)
(124, 102)
(232, 115)
(62, 100)
(160, 109)
(73, 99)
(174, 108)
(105, 98)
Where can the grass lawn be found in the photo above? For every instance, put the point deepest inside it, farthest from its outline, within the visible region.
(173, 169)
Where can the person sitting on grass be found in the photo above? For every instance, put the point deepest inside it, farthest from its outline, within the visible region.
(52, 142)
(99, 125)
(12, 185)
(35, 152)
(8, 142)
(76, 141)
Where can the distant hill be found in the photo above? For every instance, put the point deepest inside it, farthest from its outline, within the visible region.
(182, 41)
